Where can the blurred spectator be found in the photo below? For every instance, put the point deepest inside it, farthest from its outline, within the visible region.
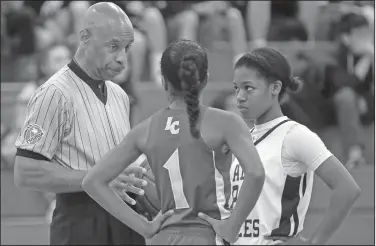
(310, 106)
(285, 21)
(258, 19)
(51, 60)
(354, 77)
(56, 21)
(19, 27)
(19, 41)
(150, 35)
(163, 22)
(330, 13)
(225, 17)
(182, 22)
(368, 10)
(339, 92)
(287, 30)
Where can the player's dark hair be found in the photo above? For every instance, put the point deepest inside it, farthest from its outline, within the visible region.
(185, 65)
(271, 65)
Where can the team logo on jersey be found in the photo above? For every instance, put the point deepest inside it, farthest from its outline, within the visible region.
(171, 126)
(33, 134)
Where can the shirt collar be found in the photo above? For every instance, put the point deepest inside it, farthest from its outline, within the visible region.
(82, 74)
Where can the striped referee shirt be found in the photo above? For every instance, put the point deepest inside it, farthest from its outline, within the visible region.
(74, 119)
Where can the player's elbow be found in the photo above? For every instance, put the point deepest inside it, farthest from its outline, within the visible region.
(88, 183)
(349, 191)
(353, 191)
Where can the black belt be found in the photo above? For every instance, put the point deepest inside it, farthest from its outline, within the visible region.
(78, 198)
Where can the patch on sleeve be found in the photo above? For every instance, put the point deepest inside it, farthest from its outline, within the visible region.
(33, 134)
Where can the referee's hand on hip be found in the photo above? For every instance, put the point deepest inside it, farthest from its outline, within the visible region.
(128, 181)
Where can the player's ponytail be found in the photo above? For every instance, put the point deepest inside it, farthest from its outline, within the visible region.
(295, 85)
(190, 84)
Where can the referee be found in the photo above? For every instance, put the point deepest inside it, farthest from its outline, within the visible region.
(72, 121)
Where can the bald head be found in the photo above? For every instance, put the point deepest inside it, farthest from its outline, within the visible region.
(106, 16)
(105, 39)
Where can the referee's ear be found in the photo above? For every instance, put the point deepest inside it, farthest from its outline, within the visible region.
(84, 36)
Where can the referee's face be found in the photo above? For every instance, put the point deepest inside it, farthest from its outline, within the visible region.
(109, 48)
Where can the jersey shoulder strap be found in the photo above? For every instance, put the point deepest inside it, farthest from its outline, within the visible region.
(268, 132)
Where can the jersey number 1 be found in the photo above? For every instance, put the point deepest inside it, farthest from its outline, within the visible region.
(173, 168)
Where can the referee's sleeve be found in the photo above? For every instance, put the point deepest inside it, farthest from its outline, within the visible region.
(46, 123)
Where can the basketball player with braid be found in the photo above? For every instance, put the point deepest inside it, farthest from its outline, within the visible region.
(182, 143)
(291, 155)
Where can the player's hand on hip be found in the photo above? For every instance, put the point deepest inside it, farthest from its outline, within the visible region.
(155, 225)
(221, 228)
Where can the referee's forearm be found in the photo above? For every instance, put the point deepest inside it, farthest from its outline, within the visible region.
(72, 182)
(46, 176)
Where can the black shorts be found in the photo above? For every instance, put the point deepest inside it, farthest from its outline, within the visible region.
(78, 219)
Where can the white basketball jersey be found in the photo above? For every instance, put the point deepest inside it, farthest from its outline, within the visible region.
(284, 200)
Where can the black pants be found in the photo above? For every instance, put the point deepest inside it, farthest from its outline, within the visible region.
(78, 219)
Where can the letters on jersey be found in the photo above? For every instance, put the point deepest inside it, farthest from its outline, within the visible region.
(172, 126)
(283, 203)
(250, 227)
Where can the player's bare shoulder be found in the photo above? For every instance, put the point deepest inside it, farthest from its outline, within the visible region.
(221, 120)
(216, 125)
(140, 133)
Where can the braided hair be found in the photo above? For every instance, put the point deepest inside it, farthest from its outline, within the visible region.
(185, 65)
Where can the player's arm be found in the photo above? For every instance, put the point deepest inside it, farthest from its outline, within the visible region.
(239, 140)
(46, 124)
(96, 182)
(313, 153)
(345, 191)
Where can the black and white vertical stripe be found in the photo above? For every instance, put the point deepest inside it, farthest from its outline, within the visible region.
(293, 192)
(78, 127)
